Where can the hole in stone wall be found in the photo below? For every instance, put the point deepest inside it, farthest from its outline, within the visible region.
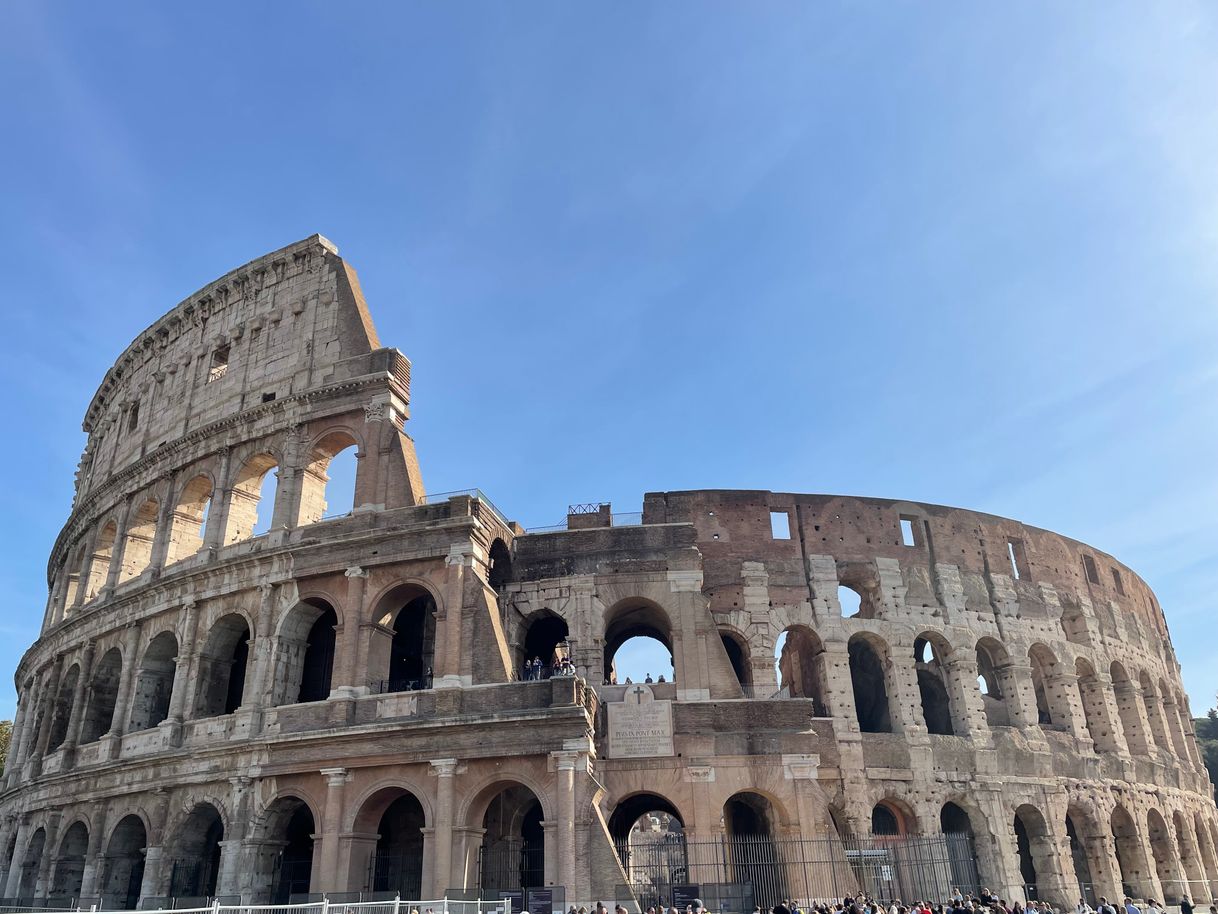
(907, 531)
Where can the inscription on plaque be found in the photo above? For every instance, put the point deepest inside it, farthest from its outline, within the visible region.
(640, 726)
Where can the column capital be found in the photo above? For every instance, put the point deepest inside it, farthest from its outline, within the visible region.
(568, 759)
(336, 777)
(355, 571)
(445, 767)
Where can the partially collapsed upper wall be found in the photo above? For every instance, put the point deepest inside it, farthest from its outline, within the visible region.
(278, 325)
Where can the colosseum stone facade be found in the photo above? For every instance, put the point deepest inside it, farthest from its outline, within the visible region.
(346, 704)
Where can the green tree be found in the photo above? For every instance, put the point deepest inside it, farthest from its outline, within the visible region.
(6, 737)
(1207, 741)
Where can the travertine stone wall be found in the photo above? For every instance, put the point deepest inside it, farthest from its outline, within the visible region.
(337, 704)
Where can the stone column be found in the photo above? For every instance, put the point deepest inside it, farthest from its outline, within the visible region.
(565, 764)
(42, 887)
(447, 668)
(12, 887)
(349, 681)
(445, 770)
(1062, 689)
(8, 779)
(76, 718)
(183, 664)
(264, 646)
(7, 826)
(839, 690)
(85, 571)
(150, 886)
(164, 525)
(1015, 683)
(93, 856)
(217, 515)
(229, 879)
(1101, 858)
(44, 721)
(126, 684)
(1132, 712)
(117, 550)
(330, 829)
(967, 705)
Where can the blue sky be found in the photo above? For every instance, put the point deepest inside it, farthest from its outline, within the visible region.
(959, 253)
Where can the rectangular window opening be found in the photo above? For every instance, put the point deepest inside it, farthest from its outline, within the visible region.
(780, 525)
(1019, 562)
(907, 531)
(219, 364)
(133, 417)
(267, 398)
(1117, 582)
(1093, 574)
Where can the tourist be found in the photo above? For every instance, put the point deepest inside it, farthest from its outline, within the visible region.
(780, 908)
(662, 679)
(1186, 906)
(1130, 907)
(648, 679)
(1152, 908)
(1082, 907)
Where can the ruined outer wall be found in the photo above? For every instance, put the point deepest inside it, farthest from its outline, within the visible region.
(159, 588)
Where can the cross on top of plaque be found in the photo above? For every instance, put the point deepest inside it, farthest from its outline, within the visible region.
(639, 692)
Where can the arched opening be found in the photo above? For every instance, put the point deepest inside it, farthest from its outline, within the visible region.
(887, 821)
(990, 656)
(61, 713)
(1131, 861)
(220, 685)
(137, 546)
(103, 695)
(124, 872)
(957, 829)
(195, 865)
(252, 503)
(69, 869)
(513, 843)
(1161, 850)
(1027, 862)
(649, 836)
(499, 567)
(642, 634)
(1205, 847)
(929, 652)
(1174, 710)
(393, 821)
(738, 656)
(1190, 861)
(869, 680)
(31, 863)
(1128, 710)
(1082, 866)
(304, 656)
(154, 683)
(800, 660)
(189, 521)
(1042, 662)
(545, 644)
(749, 821)
(99, 562)
(1155, 712)
(409, 612)
(329, 479)
(286, 859)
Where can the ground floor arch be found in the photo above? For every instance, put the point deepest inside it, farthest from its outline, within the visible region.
(194, 864)
(1132, 865)
(750, 824)
(388, 854)
(513, 850)
(68, 868)
(31, 864)
(123, 875)
(1082, 865)
(648, 834)
(1164, 856)
(1034, 851)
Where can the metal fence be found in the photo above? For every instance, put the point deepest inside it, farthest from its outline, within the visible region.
(773, 869)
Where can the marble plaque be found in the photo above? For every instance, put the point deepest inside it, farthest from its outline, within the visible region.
(640, 726)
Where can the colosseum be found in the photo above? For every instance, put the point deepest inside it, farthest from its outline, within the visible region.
(247, 693)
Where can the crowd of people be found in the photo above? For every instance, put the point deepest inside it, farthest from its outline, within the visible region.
(960, 903)
(535, 670)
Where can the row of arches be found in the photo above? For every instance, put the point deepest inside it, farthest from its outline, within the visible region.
(124, 547)
(1148, 715)
(387, 854)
